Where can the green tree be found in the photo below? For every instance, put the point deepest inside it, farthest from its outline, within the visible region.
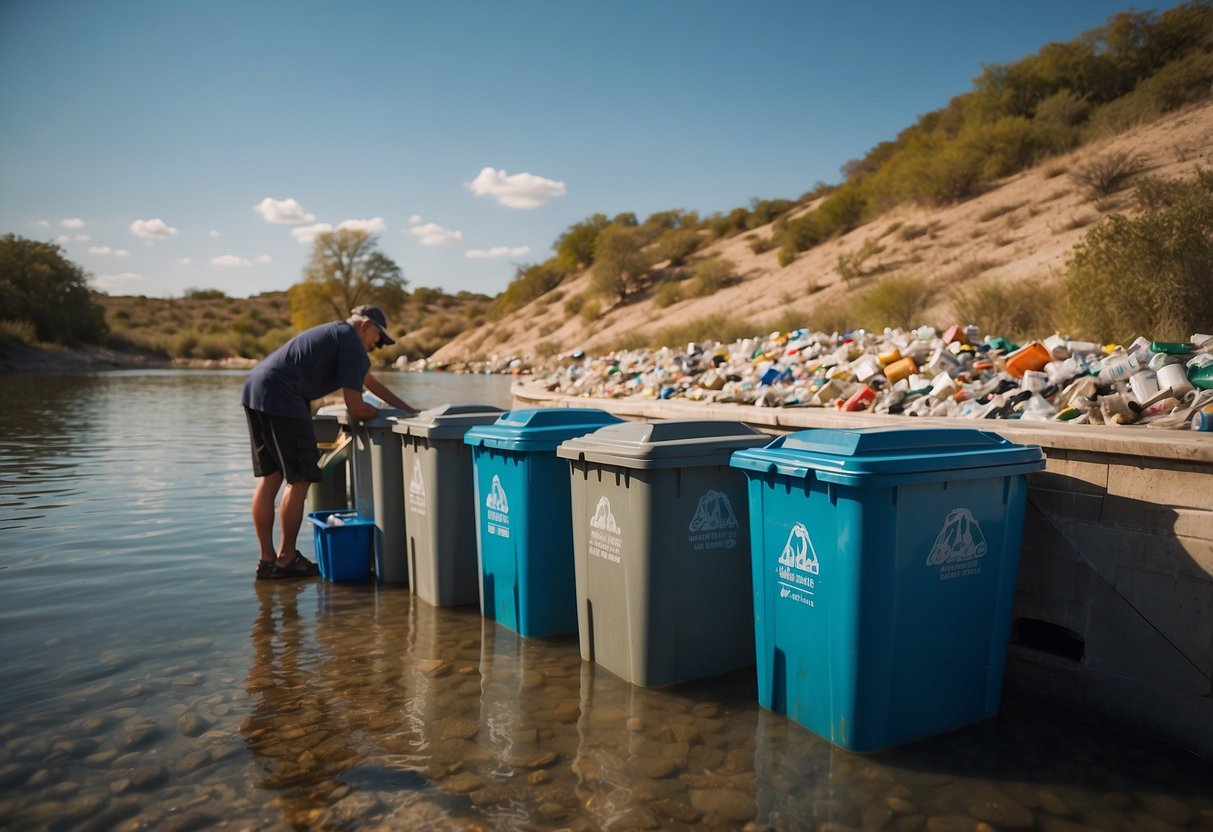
(346, 270)
(620, 260)
(677, 244)
(575, 247)
(529, 282)
(41, 287)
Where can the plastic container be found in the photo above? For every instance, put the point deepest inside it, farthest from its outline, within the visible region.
(437, 468)
(1174, 376)
(1201, 376)
(902, 368)
(1031, 356)
(1144, 384)
(884, 565)
(1202, 420)
(524, 533)
(661, 546)
(379, 488)
(343, 543)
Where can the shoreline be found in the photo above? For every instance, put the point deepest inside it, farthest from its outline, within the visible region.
(22, 358)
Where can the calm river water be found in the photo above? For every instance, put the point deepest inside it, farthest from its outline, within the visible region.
(148, 682)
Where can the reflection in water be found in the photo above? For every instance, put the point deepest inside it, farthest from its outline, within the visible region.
(133, 696)
(294, 734)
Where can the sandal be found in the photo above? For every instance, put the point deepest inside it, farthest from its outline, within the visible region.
(299, 567)
(265, 570)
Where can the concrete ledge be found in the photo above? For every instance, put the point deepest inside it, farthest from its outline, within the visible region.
(1133, 441)
(1114, 599)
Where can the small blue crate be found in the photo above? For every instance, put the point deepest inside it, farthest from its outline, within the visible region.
(343, 550)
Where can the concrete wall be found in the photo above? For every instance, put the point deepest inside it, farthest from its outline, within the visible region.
(1114, 603)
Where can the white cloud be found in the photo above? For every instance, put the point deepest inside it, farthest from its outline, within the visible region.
(307, 233)
(229, 261)
(283, 211)
(84, 238)
(42, 223)
(156, 229)
(63, 238)
(431, 233)
(116, 252)
(110, 281)
(497, 251)
(184, 261)
(212, 233)
(371, 226)
(72, 222)
(265, 258)
(522, 190)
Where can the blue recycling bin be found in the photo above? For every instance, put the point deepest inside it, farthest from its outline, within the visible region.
(884, 564)
(524, 527)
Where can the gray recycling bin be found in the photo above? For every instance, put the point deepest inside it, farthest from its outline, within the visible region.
(440, 502)
(661, 549)
(379, 488)
(333, 491)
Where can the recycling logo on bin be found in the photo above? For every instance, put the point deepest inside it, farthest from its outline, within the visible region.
(714, 525)
(959, 543)
(498, 509)
(798, 567)
(417, 490)
(606, 539)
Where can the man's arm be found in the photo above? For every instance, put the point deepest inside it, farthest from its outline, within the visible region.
(377, 387)
(355, 406)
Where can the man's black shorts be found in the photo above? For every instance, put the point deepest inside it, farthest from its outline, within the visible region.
(283, 444)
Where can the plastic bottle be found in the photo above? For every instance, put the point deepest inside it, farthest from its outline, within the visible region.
(1202, 420)
(1118, 367)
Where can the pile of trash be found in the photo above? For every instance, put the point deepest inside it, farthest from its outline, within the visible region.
(921, 372)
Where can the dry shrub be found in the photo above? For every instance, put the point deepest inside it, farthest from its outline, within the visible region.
(897, 300)
(998, 211)
(589, 311)
(669, 294)
(1015, 310)
(1105, 175)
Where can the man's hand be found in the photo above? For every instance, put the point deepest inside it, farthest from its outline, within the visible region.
(356, 407)
(380, 389)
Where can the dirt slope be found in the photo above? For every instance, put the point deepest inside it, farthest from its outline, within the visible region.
(1021, 229)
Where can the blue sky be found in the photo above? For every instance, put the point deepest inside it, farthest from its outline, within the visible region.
(171, 145)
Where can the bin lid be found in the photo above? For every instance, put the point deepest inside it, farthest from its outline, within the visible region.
(669, 443)
(865, 455)
(538, 429)
(329, 413)
(447, 421)
(383, 420)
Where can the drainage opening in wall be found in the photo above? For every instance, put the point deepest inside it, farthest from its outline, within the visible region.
(1047, 637)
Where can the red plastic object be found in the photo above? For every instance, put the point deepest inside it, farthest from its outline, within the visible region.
(955, 333)
(861, 400)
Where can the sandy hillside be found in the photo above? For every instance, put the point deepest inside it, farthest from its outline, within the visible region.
(1021, 229)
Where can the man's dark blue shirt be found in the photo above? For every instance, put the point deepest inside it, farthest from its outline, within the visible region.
(312, 364)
